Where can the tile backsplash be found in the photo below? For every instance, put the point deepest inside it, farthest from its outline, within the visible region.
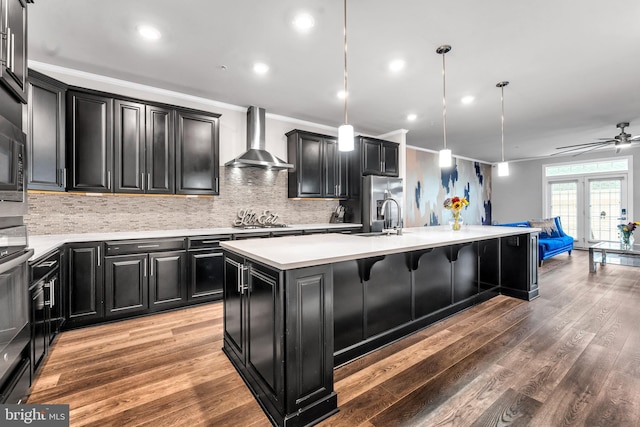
(59, 213)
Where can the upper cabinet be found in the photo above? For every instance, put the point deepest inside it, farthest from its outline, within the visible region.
(46, 133)
(144, 148)
(89, 141)
(13, 47)
(379, 157)
(197, 153)
(321, 171)
(130, 146)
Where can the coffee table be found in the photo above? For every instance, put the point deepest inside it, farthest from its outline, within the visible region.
(624, 256)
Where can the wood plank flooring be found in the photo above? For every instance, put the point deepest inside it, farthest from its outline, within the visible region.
(569, 358)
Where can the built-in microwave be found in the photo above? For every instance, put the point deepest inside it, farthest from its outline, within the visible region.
(12, 170)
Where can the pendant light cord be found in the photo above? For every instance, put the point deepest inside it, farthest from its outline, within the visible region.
(502, 128)
(442, 50)
(345, 63)
(501, 85)
(444, 102)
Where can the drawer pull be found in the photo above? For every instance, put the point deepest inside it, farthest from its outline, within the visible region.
(48, 264)
(148, 246)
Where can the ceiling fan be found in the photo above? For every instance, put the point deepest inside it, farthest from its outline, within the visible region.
(619, 141)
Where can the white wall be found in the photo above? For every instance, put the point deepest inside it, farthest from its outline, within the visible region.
(518, 197)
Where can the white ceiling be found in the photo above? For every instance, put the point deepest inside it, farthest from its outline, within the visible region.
(573, 65)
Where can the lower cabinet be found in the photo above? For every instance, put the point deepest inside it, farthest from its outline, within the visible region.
(206, 268)
(138, 283)
(84, 295)
(519, 258)
(278, 334)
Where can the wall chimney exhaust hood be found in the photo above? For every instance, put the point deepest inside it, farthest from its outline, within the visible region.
(256, 155)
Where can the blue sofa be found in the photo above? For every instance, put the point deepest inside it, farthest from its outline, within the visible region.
(552, 240)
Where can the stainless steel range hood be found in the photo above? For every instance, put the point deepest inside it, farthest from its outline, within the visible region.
(256, 155)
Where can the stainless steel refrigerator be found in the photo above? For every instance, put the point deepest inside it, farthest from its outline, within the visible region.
(375, 189)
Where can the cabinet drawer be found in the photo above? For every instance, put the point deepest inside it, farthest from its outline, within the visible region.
(207, 241)
(45, 266)
(140, 246)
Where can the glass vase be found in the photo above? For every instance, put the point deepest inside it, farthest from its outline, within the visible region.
(456, 221)
(626, 240)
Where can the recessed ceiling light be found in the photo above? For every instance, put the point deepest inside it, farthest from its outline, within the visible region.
(468, 99)
(148, 32)
(396, 65)
(412, 117)
(342, 94)
(260, 68)
(304, 22)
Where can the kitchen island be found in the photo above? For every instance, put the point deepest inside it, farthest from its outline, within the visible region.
(296, 307)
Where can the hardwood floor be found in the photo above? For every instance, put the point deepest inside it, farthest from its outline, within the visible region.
(569, 358)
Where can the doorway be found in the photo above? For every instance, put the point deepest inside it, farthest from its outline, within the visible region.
(591, 198)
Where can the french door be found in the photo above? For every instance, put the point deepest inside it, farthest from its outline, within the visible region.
(590, 207)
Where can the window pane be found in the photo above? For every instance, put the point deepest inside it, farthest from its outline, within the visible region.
(605, 204)
(564, 203)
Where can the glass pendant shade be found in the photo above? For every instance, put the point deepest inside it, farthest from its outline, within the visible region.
(503, 169)
(345, 138)
(444, 158)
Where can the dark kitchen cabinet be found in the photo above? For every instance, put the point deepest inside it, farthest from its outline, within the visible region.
(519, 263)
(13, 47)
(278, 334)
(144, 276)
(206, 268)
(144, 148)
(321, 170)
(197, 158)
(46, 305)
(89, 141)
(126, 285)
(46, 133)
(379, 157)
(84, 302)
(167, 280)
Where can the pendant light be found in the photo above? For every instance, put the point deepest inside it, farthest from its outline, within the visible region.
(345, 132)
(444, 157)
(503, 167)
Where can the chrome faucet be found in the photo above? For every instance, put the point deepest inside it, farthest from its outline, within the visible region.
(387, 199)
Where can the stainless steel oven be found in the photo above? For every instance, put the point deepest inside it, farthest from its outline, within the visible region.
(12, 170)
(14, 300)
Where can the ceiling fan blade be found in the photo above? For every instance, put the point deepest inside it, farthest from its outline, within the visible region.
(586, 151)
(634, 138)
(586, 144)
(580, 149)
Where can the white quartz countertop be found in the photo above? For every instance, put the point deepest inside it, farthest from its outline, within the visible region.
(43, 244)
(286, 253)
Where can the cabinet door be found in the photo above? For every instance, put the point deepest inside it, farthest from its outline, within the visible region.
(126, 285)
(330, 168)
(264, 331)
(207, 271)
(85, 291)
(39, 326)
(309, 166)
(196, 153)
(234, 306)
(160, 148)
(371, 157)
(390, 159)
(45, 135)
(13, 46)
(89, 122)
(129, 145)
(343, 174)
(167, 279)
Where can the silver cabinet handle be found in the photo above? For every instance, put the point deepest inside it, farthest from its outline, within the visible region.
(52, 292)
(151, 267)
(98, 255)
(108, 180)
(8, 47)
(142, 180)
(13, 52)
(48, 263)
(147, 246)
(144, 268)
(64, 178)
(148, 181)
